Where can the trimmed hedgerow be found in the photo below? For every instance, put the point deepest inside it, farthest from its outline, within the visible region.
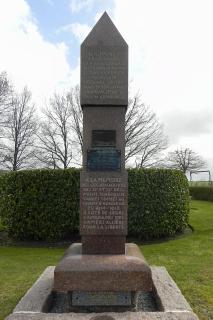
(201, 192)
(158, 203)
(40, 204)
(44, 204)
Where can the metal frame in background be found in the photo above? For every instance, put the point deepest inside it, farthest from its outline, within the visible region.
(200, 171)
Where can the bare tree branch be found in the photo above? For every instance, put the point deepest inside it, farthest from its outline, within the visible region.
(144, 135)
(5, 92)
(55, 135)
(77, 116)
(5, 99)
(61, 134)
(185, 160)
(17, 148)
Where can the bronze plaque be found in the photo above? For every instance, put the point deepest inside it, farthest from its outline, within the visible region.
(103, 159)
(103, 138)
(99, 298)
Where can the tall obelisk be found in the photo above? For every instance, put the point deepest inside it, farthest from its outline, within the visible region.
(104, 99)
(103, 271)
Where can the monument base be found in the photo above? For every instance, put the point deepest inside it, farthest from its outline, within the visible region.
(38, 302)
(111, 273)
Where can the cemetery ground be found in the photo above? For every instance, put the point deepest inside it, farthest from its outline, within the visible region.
(188, 258)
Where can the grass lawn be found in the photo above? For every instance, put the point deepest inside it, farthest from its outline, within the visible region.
(188, 259)
(200, 183)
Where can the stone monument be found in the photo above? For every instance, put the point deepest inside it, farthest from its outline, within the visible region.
(104, 99)
(103, 265)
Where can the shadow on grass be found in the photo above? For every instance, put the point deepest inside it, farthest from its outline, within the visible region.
(189, 230)
(6, 241)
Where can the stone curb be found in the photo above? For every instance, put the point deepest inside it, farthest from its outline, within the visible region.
(168, 294)
(37, 297)
(106, 316)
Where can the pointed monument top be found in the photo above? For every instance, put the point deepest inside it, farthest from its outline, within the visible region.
(104, 32)
(104, 66)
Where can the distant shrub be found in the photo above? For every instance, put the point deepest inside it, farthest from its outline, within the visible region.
(201, 192)
(44, 204)
(1, 226)
(40, 204)
(158, 202)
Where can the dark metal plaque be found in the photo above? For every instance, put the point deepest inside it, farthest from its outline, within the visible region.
(93, 298)
(103, 138)
(103, 159)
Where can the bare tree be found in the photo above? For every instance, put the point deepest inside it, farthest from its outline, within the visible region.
(143, 134)
(19, 132)
(185, 160)
(5, 99)
(76, 116)
(55, 136)
(5, 90)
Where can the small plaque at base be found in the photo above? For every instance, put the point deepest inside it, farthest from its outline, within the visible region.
(93, 298)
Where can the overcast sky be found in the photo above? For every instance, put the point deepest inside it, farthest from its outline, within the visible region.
(170, 48)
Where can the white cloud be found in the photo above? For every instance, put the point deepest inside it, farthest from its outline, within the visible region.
(170, 49)
(27, 57)
(78, 5)
(190, 123)
(171, 52)
(79, 30)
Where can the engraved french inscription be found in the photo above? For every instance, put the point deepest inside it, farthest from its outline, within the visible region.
(104, 74)
(104, 205)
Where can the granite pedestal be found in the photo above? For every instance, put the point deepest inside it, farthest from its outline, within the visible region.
(79, 272)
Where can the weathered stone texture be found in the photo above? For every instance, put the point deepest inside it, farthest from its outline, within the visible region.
(168, 293)
(97, 244)
(104, 66)
(104, 118)
(127, 272)
(103, 204)
(103, 194)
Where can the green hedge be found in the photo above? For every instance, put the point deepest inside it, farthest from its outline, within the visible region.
(40, 204)
(158, 202)
(201, 193)
(44, 204)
